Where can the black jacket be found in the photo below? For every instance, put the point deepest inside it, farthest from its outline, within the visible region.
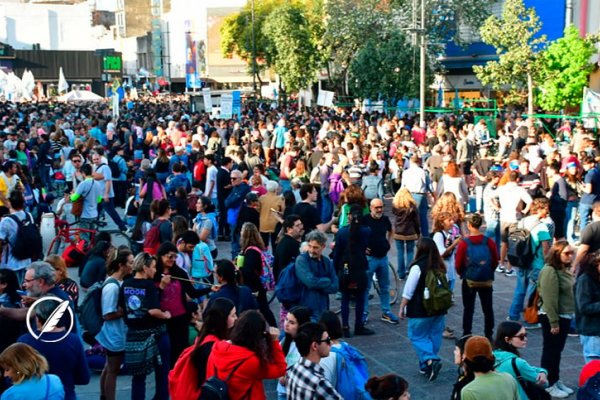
(587, 305)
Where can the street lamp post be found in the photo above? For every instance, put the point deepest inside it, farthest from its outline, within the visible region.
(253, 53)
(422, 68)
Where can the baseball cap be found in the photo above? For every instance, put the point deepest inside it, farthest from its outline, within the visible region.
(572, 165)
(514, 165)
(478, 346)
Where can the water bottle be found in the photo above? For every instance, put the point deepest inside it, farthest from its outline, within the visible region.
(426, 294)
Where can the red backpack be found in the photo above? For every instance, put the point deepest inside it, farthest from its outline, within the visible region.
(183, 378)
(152, 239)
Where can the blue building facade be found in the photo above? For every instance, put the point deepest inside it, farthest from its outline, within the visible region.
(458, 61)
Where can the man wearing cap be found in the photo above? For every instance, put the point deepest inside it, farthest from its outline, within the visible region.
(233, 204)
(488, 384)
(471, 288)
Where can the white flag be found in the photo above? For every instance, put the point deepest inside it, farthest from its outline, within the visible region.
(63, 86)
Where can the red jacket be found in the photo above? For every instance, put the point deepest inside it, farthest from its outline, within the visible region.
(249, 376)
(460, 258)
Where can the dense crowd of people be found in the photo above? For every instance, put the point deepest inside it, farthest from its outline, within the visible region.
(470, 199)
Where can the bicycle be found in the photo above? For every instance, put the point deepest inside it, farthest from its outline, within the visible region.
(68, 235)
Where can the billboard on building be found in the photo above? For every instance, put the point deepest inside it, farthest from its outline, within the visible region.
(192, 80)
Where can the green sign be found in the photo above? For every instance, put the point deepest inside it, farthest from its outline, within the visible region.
(111, 64)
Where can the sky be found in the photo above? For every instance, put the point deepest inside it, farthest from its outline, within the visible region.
(109, 5)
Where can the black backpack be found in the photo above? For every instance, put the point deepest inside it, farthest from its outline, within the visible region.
(28, 240)
(115, 171)
(90, 309)
(215, 388)
(520, 247)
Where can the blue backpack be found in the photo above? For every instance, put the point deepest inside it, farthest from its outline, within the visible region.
(352, 373)
(202, 262)
(479, 271)
(288, 289)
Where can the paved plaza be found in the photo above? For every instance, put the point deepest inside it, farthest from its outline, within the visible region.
(390, 350)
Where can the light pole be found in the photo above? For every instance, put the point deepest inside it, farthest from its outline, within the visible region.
(253, 54)
(422, 68)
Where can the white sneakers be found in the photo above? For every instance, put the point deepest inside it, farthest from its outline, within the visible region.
(564, 388)
(559, 390)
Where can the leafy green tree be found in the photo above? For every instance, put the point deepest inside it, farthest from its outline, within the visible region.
(290, 44)
(350, 26)
(517, 46)
(565, 69)
(236, 34)
(383, 70)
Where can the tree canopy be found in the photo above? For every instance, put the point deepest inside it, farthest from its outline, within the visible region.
(514, 36)
(565, 70)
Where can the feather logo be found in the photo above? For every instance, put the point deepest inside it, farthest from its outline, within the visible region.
(52, 321)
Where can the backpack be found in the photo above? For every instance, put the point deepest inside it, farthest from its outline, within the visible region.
(371, 189)
(352, 373)
(520, 247)
(215, 388)
(183, 378)
(479, 271)
(266, 277)
(115, 170)
(201, 268)
(152, 239)
(27, 243)
(590, 389)
(288, 289)
(90, 309)
(437, 297)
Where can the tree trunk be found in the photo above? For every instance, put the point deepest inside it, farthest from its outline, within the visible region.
(529, 95)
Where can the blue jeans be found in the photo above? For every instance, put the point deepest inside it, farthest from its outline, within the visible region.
(425, 334)
(326, 207)
(423, 208)
(591, 347)
(109, 207)
(379, 266)
(161, 373)
(479, 198)
(492, 230)
(585, 212)
(405, 250)
(524, 288)
(570, 220)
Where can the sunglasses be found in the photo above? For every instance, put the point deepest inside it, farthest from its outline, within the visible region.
(171, 256)
(326, 340)
(522, 336)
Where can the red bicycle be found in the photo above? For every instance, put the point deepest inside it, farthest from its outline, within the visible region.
(72, 242)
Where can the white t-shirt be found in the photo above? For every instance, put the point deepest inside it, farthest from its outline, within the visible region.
(509, 197)
(211, 179)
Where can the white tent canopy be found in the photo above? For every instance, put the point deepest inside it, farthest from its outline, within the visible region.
(80, 95)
